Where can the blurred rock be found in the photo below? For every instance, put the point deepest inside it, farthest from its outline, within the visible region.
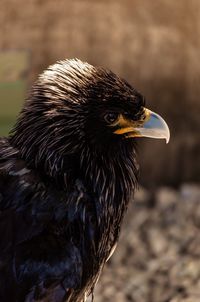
(158, 255)
(190, 192)
(166, 196)
(142, 195)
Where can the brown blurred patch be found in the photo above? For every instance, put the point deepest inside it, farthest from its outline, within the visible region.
(153, 44)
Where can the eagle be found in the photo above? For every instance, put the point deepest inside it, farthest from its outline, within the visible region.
(68, 170)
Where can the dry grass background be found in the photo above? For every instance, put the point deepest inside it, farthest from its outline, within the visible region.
(153, 44)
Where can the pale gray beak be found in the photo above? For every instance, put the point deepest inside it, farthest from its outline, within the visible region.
(154, 126)
(150, 124)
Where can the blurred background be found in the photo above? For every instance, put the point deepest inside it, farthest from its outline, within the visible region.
(155, 45)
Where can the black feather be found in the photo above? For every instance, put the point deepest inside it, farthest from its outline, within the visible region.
(65, 183)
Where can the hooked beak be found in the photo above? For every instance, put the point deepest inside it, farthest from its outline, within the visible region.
(151, 125)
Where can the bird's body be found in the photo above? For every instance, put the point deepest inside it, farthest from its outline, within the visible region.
(65, 183)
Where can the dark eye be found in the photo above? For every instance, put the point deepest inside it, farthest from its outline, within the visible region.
(111, 117)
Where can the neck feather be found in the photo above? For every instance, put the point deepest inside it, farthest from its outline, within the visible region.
(112, 180)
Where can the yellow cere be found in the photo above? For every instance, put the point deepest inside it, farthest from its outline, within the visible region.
(126, 125)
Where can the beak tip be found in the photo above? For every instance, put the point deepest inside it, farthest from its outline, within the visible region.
(167, 138)
(168, 135)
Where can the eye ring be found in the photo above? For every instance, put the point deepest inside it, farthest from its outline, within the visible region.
(111, 117)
